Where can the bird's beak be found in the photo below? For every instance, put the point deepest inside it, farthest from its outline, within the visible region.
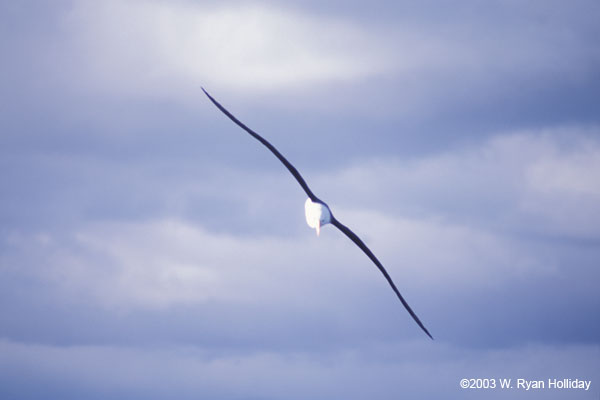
(318, 228)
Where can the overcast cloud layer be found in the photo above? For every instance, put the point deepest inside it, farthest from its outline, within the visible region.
(151, 249)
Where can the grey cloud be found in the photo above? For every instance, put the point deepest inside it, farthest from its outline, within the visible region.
(141, 230)
(189, 372)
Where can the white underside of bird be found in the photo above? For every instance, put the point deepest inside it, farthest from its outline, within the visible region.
(317, 214)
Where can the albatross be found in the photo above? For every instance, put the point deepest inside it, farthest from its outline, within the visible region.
(318, 212)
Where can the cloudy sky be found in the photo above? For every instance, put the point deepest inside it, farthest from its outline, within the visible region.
(151, 249)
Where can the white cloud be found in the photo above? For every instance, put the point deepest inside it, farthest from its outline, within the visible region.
(574, 173)
(430, 254)
(543, 181)
(161, 49)
(166, 263)
(149, 47)
(563, 191)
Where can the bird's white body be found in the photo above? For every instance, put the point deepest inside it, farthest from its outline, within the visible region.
(317, 214)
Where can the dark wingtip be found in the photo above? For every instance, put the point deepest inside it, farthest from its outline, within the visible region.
(423, 327)
(418, 321)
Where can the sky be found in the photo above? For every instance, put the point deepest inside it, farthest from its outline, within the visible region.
(151, 249)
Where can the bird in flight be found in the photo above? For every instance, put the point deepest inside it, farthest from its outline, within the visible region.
(318, 212)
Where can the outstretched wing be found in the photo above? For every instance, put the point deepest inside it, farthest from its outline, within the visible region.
(368, 252)
(269, 146)
(314, 198)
